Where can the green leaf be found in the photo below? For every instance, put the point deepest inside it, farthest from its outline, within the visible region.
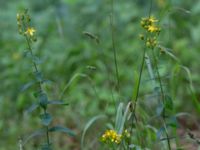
(57, 102)
(88, 125)
(77, 75)
(46, 119)
(32, 108)
(62, 129)
(169, 51)
(124, 118)
(160, 132)
(38, 76)
(27, 54)
(168, 103)
(47, 81)
(33, 135)
(43, 100)
(37, 60)
(119, 117)
(172, 122)
(27, 85)
(159, 109)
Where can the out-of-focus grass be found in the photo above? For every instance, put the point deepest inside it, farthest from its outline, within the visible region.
(66, 52)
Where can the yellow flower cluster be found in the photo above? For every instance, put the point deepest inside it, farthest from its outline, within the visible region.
(111, 136)
(149, 24)
(24, 28)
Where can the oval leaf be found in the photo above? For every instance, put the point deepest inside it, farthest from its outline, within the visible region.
(46, 119)
(168, 103)
(57, 102)
(62, 129)
(27, 85)
(32, 108)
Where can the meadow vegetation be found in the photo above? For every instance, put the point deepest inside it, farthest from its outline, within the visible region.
(103, 74)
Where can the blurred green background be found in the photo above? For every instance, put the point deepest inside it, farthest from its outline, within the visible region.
(72, 58)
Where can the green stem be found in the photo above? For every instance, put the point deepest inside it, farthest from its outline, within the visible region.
(163, 98)
(47, 131)
(140, 77)
(150, 9)
(34, 64)
(133, 108)
(40, 85)
(113, 43)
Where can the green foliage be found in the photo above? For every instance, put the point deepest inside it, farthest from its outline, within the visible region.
(78, 69)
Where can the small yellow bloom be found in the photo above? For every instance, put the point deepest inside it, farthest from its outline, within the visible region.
(152, 28)
(111, 136)
(30, 31)
(152, 19)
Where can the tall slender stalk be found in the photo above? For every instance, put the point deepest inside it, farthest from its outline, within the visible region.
(133, 109)
(113, 44)
(163, 98)
(39, 86)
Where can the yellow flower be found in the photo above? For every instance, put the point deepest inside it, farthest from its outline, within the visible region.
(152, 28)
(152, 19)
(30, 31)
(111, 136)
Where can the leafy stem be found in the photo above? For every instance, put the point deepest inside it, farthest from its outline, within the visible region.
(40, 85)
